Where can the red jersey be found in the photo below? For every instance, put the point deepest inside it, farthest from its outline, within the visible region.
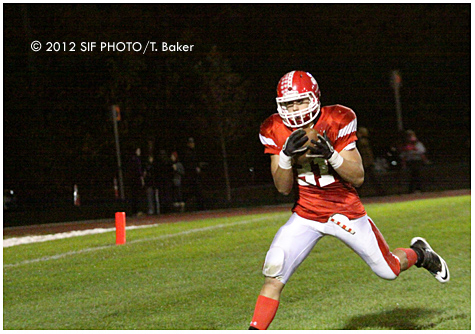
(321, 190)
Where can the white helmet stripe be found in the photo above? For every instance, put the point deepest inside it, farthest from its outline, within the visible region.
(287, 82)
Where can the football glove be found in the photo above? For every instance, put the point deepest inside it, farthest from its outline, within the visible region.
(322, 149)
(295, 143)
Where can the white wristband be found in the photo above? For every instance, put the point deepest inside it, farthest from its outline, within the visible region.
(285, 162)
(336, 160)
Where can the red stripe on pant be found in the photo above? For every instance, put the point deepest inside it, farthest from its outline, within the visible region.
(384, 248)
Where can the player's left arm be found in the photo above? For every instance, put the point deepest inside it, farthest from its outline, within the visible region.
(351, 170)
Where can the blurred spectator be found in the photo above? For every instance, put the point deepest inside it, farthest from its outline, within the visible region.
(364, 146)
(151, 186)
(413, 158)
(178, 173)
(192, 182)
(392, 158)
(366, 152)
(137, 182)
(9, 199)
(164, 173)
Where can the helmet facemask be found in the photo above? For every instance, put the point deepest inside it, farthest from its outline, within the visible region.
(299, 118)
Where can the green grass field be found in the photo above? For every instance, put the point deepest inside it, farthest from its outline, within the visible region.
(206, 275)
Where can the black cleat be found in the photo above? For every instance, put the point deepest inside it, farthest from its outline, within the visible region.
(430, 260)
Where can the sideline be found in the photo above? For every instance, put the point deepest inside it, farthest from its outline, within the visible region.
(56, 236)
(165, 236)
(39, 233)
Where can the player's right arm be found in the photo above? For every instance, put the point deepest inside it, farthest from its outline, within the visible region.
(282, 145)
(283, 178)
(281, 165)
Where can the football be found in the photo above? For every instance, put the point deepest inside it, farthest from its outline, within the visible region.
(311, 134)
(302, 158)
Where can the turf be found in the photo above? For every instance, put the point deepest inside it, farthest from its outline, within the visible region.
(206, 275)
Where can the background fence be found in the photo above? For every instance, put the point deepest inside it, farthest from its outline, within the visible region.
(436, 177)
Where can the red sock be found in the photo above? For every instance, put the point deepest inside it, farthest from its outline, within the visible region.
(411, 256)
(264, 313)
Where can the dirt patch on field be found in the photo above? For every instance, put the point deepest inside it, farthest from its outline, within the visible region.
(174, 217)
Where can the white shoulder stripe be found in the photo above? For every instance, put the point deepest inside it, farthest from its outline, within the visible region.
(267, 141)
(351, 127)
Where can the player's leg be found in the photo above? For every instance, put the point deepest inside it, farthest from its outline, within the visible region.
(272, 288)
(291, 245)
(370, 245)
(422, 255)
(267, 303)
(364, 238)
(407, 257)
(430, 260)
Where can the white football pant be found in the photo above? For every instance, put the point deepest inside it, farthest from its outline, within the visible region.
(294, 241)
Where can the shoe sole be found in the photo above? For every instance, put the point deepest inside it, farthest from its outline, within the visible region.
(442, 276)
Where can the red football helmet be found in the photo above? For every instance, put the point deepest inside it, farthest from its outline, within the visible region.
(297, 85)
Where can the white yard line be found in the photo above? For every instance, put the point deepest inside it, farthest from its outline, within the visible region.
(47, 237)
(103, 230)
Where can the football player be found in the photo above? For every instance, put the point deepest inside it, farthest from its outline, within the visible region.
(327, 169)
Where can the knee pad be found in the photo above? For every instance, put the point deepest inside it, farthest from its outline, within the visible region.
(274, 262)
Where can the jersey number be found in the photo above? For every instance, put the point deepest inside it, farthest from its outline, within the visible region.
(316, 174)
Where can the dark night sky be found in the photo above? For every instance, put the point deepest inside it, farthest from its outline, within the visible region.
(350, 49)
